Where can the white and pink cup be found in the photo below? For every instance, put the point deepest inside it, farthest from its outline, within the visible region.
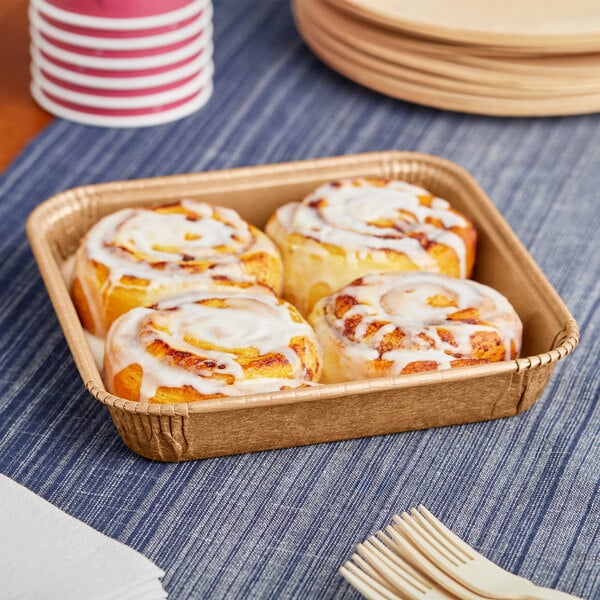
(121, 63)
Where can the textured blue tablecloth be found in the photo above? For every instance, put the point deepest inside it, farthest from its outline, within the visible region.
(523, 490)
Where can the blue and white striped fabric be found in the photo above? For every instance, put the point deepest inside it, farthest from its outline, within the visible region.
(524, 490)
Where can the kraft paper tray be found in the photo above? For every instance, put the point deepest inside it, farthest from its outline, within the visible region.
(329, 412)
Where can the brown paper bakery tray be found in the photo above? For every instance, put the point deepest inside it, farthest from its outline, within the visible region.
(328, 412)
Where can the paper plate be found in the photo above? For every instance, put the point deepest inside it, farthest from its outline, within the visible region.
(547, 25)
(395, 46)
(444, 75)
(421, 94)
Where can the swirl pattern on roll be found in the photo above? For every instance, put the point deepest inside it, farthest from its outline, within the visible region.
(396, 323)
(352, 227)
(207, 345)
(135, 257)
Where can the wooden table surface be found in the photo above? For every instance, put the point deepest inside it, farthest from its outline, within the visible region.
(20, 116)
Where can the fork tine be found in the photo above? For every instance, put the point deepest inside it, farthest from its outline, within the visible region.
(434, 536)
(393, 578)
(368, 569)
(420, 561)
(420, 526)
(424, 542)
(367, 586)
(448, 534)
(411, 573)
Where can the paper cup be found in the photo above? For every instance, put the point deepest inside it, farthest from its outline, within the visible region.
(124, 80)
(120, 63)
(119, 9)
(124, 74)
(55, 34)
(41, 74)
(119, 100)
(106, 118)
(120, 53)
(115, 33)
(120, 23)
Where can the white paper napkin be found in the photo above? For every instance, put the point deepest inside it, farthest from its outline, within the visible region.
(47, 554)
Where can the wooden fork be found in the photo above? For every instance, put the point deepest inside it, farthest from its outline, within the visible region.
(379, 573)
(432, 542)
(366, 580)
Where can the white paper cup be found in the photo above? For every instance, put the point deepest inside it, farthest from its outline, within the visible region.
(101, 119)
(146, 22)
(38, 23)
(119, 102)
(128, 63)
(132, 81)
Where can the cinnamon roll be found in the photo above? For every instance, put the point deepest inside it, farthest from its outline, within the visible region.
(349, 228)
(135, 257)
(207, 345)
(394, 323)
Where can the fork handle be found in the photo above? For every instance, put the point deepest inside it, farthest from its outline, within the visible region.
(542, 593)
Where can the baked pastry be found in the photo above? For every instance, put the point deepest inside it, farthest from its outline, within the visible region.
(394, 323)
(206, 345)
(135, 257)
(349, 228)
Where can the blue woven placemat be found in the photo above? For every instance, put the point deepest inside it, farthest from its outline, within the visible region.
(523, 490)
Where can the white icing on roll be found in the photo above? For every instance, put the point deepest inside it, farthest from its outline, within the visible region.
(216, 337)
(166, 250)
(436, 318)
(140, 239)
(360, 215)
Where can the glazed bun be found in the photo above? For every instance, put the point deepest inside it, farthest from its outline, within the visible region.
(349, 228)
(135, 257)
(395, 323)
(207, 345)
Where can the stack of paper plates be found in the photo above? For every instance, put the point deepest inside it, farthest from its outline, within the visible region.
(121, 63)
(513, 58)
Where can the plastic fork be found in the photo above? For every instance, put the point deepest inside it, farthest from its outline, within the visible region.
(433, 541)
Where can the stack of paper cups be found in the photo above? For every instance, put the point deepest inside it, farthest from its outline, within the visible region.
(121, 63)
